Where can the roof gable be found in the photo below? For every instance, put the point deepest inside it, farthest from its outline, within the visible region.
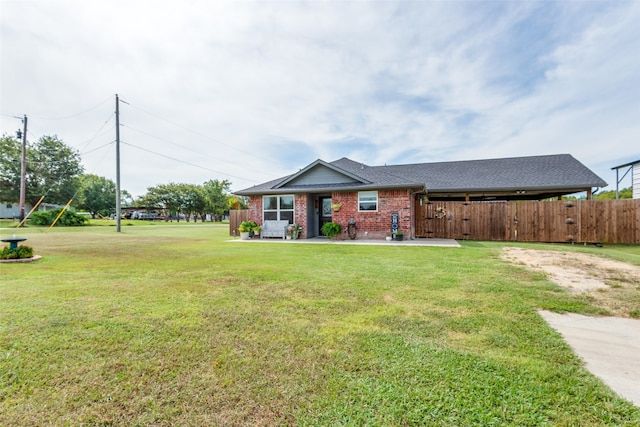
(320, 173)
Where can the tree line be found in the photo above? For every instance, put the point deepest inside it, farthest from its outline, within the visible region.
(54, 170)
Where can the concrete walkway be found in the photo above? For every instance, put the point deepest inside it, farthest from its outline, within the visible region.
(609, 346)
(450, 243)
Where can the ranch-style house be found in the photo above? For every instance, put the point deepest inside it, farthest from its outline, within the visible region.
(383, 199)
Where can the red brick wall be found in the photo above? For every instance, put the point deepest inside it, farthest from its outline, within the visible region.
(300, 213)
(255, 209)
(374, 225)
(371, 225)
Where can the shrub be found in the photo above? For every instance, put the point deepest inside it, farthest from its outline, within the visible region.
(331, 229)
(68, 218)
(19, 253)
(247, 226)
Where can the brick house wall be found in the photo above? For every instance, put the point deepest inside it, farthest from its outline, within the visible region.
(371, 225)
(374, 225)
(255, 209)
(299, 213)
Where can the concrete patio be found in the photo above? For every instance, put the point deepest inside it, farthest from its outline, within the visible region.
(449, 243)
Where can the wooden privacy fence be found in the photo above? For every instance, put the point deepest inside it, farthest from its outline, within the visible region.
(588, 221)
(235, 219)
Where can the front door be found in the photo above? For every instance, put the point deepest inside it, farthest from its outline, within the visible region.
(325, 213)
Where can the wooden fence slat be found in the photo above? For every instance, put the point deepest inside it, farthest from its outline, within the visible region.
(589, 221)
(235, 219)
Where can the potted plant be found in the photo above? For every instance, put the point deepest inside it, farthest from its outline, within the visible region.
(399, 235)
(246, 229)
(296, 229)
(336, 206)
(256, 230)
(331, 229)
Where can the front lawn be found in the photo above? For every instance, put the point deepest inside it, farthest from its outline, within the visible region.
(167, 325)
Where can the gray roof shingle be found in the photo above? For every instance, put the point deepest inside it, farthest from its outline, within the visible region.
(551, 172)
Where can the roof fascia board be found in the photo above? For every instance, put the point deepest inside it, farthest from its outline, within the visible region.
(511, 189)
(367, 187)
(626, 164)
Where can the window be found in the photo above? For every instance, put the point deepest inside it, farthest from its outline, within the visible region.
(278, 208)
(367, 201)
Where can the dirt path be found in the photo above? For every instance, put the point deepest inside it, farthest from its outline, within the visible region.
(610, 284)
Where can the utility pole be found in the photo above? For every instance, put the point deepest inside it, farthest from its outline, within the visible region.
(23, 169)
(118, 208)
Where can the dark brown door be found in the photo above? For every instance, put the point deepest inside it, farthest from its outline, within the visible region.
(325, 213)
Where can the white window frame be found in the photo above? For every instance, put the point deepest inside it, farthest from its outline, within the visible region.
(278, 209)
(367, 194)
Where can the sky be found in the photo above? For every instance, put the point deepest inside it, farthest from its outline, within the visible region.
(250, 91)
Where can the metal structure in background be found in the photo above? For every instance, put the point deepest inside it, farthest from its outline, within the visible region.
(635, 178)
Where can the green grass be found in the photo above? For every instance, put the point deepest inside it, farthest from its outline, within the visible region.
(167, 325)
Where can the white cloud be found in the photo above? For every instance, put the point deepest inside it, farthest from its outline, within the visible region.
(255, 90)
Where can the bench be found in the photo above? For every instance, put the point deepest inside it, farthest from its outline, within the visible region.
(272, 228)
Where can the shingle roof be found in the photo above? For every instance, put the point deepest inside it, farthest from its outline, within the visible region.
(525, 173)
(536, 173)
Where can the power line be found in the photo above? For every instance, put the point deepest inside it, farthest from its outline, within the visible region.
(190, 130)
(167, 141)
(95, 135)
(76, 114)
(185, 162)
(97, 148)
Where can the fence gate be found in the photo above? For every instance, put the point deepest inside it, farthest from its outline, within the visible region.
(465, 220)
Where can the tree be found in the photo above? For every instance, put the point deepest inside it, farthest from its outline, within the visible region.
(625, 193)
(52, 170)
(217, 197)
(97, 195)
(126, 199)
(192, 201)
(165, 196)
(10, 155)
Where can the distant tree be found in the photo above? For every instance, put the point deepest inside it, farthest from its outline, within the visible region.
(52, 170)
(625, 193)
(192, 200)
(165, 196)
(97, 195)
(126, 199)
(217, 197)
(10, 155)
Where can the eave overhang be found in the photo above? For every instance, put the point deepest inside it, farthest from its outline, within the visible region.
(329, 188)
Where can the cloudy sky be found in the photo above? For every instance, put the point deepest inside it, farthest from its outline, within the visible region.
(249, 91)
